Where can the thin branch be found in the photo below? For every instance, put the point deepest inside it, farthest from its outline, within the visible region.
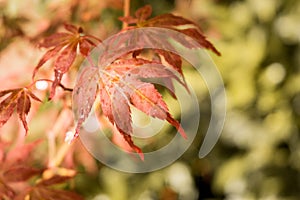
(126, 10)
(65, 88)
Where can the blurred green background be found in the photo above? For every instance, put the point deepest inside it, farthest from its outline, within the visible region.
(258, 154)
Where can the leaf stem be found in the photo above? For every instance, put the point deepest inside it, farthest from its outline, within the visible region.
(126, 10)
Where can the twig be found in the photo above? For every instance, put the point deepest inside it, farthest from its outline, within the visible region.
(126, 10)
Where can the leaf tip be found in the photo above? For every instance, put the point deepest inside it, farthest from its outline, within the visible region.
(182, 132)
(177, 125)
(140, 153)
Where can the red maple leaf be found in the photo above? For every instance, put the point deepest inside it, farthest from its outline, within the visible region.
(120, 79)
(16, 99)
(169, 21)
(63, 47)
(119, 85)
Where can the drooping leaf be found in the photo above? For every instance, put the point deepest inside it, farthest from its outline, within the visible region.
(147, 99)
(33, 96)
(135, 148)
(4, 92)
(105, 101)
(121, 111)
(84, 94)
(150, 101)
(23, 107)
(86, 44)
(65, 58)
(62, 65)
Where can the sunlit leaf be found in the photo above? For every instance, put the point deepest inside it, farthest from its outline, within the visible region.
(121, 85)
(84, 94)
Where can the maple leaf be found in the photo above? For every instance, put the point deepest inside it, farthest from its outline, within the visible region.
(169, 21)
(122, 77)
(63, 47)
(17, 99)
(84, 94)
(120, 86)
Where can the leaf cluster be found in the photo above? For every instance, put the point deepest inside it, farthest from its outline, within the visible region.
(119, 83)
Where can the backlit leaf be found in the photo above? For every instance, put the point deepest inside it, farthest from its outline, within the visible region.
(84, 94)
(147, 99)
(121, 85)
(121, 111)
(105, 102)
(123, 77)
